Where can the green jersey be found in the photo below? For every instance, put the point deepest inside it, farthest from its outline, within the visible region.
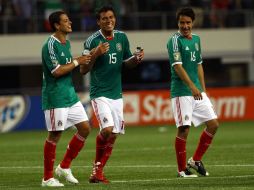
(187, 52)
(106, 74)
(56, 92)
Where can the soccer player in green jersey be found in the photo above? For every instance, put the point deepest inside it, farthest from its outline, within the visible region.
(190, 103)
(112, 52)
(60, 102)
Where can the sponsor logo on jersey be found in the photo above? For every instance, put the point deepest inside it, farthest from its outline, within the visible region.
(196, 46)
(186, 117)
(119, 47)
(187, 48)
(62, 54)
(176, 56)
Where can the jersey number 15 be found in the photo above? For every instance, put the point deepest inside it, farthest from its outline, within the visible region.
(112, 58)
(193, 56)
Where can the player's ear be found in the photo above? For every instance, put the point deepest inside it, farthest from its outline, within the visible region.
(98, 22)
(56, 26)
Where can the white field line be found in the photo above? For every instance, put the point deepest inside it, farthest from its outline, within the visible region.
(173, 179)
(147, 149)
(130, 166)
(162, 179)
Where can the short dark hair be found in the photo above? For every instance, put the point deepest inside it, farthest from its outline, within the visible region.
(186, 11)
(55, 18)
(104, 8)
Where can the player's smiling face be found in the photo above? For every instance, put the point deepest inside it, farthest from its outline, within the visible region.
(185, 24)
(107, 22)
(65, 24)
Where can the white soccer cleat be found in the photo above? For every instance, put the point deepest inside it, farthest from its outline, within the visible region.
(186, 173)
(52, 182)
(66, 173)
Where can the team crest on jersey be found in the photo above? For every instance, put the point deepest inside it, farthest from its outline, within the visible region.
(176, 56)
(54, 62)
(105, 120)
(119, 47)
(196, 46)
(59, 123)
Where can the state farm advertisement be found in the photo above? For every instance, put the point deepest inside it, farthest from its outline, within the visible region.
(147, 107)
(141, 108)
(154, 107)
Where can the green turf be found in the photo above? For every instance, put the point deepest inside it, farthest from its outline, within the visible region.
(143, 158)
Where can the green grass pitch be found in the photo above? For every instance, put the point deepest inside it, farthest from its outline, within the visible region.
(143, 158)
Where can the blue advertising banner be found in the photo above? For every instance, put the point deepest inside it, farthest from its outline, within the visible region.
(21, 113)
(25, 112)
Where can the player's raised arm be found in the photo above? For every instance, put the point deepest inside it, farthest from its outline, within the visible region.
(101, 49)
(137, 58)
(64, 69)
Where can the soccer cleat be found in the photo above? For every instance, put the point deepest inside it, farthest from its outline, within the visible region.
(52, 182)
(186, 173)
(97, 175)
(198, 166)
(66, 173)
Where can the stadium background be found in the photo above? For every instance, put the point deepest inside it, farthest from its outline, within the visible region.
(146, 152)
(225, 27)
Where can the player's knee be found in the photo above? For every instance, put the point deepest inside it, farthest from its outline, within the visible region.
(83, 129)
(87, 129)
(183, 131)
(106, 132)
(212, 126)
(54, 136)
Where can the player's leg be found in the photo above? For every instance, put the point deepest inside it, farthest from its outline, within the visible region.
(108, 118)
(204, 114)
(76, 116)
(117, 114)
(54, 134)
(104, 147)
(182, 110)
(50, 153)
(180, 148)
(101, 142)
(102, 110)
(206, 139)
(108, 149)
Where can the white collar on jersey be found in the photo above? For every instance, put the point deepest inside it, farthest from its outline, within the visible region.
(104, 36)
(52, 36)
(183, 35)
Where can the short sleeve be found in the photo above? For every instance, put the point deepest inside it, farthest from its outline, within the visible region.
(90, 43)
(50, 56)
(174, 52)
